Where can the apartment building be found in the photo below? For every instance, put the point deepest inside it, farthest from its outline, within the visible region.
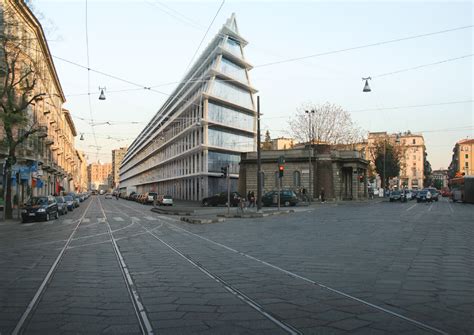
(99, 174)
(46, 161)
(207, 122)
(462, 161)
(411, 147)
(117, 158)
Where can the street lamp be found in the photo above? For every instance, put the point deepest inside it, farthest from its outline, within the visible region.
(102, 95)
(366, 86)
(310, 134)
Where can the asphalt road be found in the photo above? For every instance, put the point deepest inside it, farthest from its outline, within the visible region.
(366, 268)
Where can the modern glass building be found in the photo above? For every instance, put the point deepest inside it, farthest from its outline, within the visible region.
(206, 123)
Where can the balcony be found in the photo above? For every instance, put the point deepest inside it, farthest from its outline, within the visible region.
(42, 131)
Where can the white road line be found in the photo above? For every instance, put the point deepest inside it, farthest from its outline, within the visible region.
(149, 218)
(86, 220)
(429, 208)
(450, 207)
(118, 218)
(101, 220)
(67, 221)
(411, 207)
(134, 218)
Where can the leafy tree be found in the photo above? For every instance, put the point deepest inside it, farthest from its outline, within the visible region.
(387, 161)
(427, 170)
(267, 143)
(328, 124)
(18, 93)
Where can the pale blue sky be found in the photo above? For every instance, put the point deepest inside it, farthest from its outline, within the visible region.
(138, 41)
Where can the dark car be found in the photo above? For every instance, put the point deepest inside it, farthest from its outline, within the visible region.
(62, 205)
(398, 196)
(287, 198)
(221, 199)
(69, 202)
(424, 196)
(434, 193)
(40, 208)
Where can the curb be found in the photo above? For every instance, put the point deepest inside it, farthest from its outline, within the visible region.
(201, 221)
(161, 211)
(255, 215)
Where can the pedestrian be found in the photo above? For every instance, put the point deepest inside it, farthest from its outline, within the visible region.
(322, 195)
(249, 196)
(252, 199)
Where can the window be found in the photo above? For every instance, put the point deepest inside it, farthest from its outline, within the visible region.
(217, 160)
(466, 156)
(414, 141)
(466, 164)
(232, 93)
(230, 117)
(233, 70)
(234, 47)
(230, 140)
(296, 179)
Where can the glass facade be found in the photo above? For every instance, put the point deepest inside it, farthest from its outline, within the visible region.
(234, 47)
(217, 160)
(232, 93)
(230, 117)
(230, 140)
(233, 70)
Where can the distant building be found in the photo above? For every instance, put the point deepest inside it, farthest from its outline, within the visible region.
(282, 143)
(80, 173)
(117, 157)
(412, 149)
(98, 174)
(462, 160)
(342, 173)
(440, 178)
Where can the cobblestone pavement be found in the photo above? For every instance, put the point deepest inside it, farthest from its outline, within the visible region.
(365, 268)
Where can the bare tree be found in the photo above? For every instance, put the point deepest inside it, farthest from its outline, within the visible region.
(18, 93)
(328, 124)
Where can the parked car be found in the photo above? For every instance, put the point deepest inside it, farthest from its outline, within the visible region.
(108, 195)
(165, 200)
(424, 196)
(62, 205)
(151, 196)
(77, 202)
(69, 202)
(434, 193)
(445, 192)
(221, 199)
(287, 198)
(408, 194)
(398, 196)
(40, 208)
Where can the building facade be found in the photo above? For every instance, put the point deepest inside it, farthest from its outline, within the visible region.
(99, 175)
(282, 143)
(341, 173)
(46, 160)
(80, 175)
(440, 178)
(117, 158)
(462, 161)
(411, 148)
(207, 122)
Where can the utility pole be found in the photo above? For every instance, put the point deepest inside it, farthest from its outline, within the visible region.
(310, 134)
(259, 160)
(384, 158)
(228, 189)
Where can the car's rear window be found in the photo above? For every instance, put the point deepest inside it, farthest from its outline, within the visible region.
(37, 201)
(152, 194)
(68, 198)
(167, 197)
(60, 199)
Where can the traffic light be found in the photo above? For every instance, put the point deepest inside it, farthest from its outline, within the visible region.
(224, 171)
(281, 169)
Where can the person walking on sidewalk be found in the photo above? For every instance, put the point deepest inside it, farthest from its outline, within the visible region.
(323, 200)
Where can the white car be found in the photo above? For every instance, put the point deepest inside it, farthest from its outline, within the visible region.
(165, 200)
(108, 196)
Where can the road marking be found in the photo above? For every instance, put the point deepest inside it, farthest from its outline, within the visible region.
(67, 221)
(101, 220)
(86, 220)
(134, 218)
(431, 206)
(150, 218)
(450, 207)
(118, 218)
(410, 208)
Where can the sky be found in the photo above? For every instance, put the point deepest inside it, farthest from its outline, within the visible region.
(151, 43)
